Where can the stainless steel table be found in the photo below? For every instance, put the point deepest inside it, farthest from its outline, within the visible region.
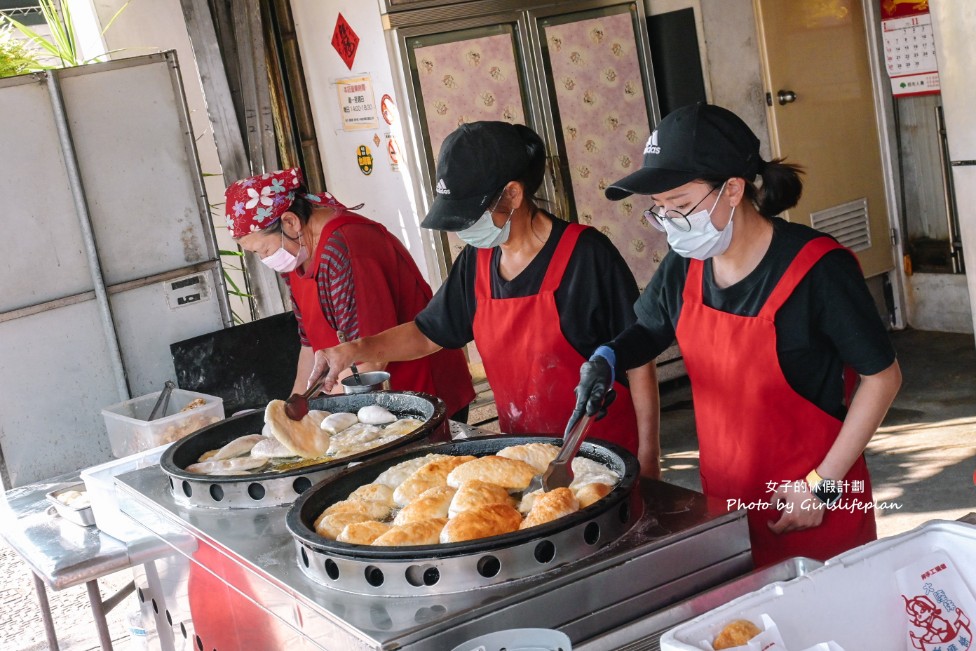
(62, 554)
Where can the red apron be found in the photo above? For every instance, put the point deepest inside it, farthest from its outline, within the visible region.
(443, 374)
(754, 430)
(531, 367)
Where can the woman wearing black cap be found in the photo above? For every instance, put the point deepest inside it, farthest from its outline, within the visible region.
(535, 294)
(768, 315)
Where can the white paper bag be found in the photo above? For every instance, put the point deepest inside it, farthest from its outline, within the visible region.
(937, 603)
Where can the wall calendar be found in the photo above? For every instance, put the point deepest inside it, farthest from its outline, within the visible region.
(909, 51)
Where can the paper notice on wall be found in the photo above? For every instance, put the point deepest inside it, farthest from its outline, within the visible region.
(356, 103)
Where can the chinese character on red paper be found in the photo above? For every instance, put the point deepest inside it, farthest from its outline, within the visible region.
(345, 41)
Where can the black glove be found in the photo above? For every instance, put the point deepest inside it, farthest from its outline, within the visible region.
(595, 393)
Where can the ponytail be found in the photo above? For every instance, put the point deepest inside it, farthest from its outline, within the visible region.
(780, 190)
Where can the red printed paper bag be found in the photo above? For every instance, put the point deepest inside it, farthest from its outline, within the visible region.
(938, 605)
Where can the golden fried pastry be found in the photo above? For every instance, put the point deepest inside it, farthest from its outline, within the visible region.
(363, 533)
(330, 525)
(474, 494)
(590, 493)
(507, 473)
(586, 471)
(235, 466)
(491, 520)
(237, 448)
(303, 437)
(425, 532)
(373, 493)
(736, 633)
(270, 448)
(537, 455)
(375, 415)
(528, 499)
(335, 423)
(402, 427)
(193, 404)
(207, 456)
(372, 510)
(430, 475)
(396, 475)
(551, 506)
(430, 504)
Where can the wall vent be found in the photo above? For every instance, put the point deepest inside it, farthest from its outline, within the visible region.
(848, 222)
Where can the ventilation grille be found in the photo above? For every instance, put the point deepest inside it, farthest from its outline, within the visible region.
(847, 222)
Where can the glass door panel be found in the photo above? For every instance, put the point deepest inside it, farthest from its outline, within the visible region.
(463, 76)
(600, 113)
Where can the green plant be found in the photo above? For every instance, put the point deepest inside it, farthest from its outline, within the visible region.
(16, 56)
(230, 260)
(232, 287)
(62, 47)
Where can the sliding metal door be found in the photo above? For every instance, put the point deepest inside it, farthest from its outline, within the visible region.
(576, 72)
(599, 111)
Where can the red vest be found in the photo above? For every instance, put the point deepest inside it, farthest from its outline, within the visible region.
(531, 367)
(389, 291)
(754, 430)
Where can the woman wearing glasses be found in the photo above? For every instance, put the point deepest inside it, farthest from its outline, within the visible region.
(535, 294)
(768, 315)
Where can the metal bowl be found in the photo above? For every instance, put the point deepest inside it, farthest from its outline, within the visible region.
(455, 567)
(258, 490)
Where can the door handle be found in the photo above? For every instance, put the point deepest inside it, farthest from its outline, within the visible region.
(786, 97)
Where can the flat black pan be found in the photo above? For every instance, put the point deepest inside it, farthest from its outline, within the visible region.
(310, 505)
(422, 406)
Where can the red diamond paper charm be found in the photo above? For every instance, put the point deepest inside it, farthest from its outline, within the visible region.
(345, 41)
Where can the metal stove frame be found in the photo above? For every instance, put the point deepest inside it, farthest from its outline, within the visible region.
(678, 548)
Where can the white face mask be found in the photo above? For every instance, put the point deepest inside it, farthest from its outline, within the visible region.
(282, 261)
(703, 240)
(483, 234)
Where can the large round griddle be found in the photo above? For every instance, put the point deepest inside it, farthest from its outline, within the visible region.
(257, 490)
(455, 567)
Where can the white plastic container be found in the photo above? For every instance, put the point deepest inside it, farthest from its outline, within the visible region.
(519, 639)
(853, 599)
(130, 432)
(100, 483)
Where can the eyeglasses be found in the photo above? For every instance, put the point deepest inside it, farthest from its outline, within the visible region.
(658, 216)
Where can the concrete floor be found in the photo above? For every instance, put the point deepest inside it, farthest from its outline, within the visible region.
(923, 458)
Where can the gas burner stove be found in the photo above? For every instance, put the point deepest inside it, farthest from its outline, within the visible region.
(680, 546)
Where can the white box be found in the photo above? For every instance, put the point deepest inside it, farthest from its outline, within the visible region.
(100, 483)
(130, 432)
(853, 599)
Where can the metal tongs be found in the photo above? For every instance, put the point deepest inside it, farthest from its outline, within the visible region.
(296, 407)
(560, 471)
(162, 402)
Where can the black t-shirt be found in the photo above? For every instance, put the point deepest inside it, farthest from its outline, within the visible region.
(595, 298)
(830, 319)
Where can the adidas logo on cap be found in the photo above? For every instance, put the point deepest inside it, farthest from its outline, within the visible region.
(442, 187)
(652, 147)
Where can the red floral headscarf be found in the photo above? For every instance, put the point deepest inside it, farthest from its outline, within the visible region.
(254, 204)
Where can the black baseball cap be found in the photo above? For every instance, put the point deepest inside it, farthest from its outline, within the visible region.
(476, 161)
(693, 142)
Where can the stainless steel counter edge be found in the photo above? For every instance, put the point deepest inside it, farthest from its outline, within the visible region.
(257, 540)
